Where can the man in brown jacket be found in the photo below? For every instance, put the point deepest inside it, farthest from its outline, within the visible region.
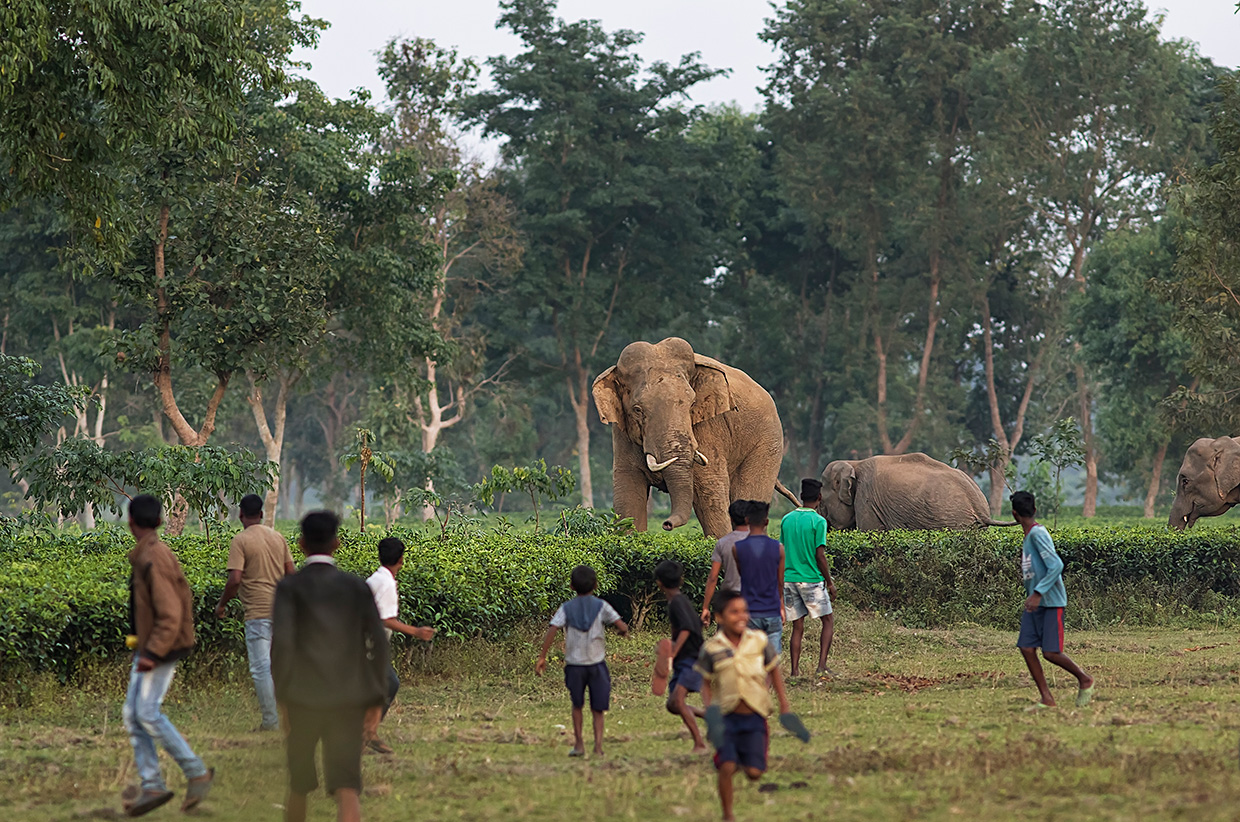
(162, 611)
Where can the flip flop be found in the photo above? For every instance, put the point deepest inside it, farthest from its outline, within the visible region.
(793, 724)
(574, 752)
(1084, 696)
(662, 667)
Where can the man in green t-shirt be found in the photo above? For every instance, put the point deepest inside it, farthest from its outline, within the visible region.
(808, 587)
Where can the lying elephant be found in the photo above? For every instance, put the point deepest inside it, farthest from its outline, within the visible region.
(700, 430)
(1208, 483)
(910, 492)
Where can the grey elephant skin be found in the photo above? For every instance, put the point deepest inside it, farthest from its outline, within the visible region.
(909, 492)
(700, 430)
(1208, 483)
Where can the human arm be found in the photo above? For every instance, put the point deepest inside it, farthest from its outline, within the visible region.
(230, 591)
(548, 638)
(678, 642)
(1054, 569)
(621, 627)
(712, 579)
(289, 567)
(394, 624)
(824, 567)
(783, 612)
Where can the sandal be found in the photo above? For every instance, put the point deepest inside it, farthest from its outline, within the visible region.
(1084, 696)
(147, 802)
(197, 790)
(662, 667)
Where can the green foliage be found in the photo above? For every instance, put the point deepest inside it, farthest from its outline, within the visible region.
(534, 480)
(1061, 447)
(30, 410)
(79, 473)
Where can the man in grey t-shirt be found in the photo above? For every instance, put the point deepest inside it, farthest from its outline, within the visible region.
(723, 560)
(583, 619)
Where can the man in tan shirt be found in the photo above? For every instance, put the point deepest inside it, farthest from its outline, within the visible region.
(257, 559)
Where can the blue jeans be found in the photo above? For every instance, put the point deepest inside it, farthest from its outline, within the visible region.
(258, 648)
(146, 723)
(773, 626)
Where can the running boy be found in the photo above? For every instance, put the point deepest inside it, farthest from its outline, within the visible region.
(1041, 623)
(735, 664)
(686, 645)
(582, 619)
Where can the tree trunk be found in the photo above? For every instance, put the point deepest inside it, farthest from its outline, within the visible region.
(579, 397)
(1091, 451)
(1151, 496)
(271, 435)
(1008, 445)
(998, 484)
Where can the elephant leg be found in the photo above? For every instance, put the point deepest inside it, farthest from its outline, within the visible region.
(630, 496)
(710, 501)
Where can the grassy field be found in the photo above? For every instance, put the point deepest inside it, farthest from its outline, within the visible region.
(919, 725)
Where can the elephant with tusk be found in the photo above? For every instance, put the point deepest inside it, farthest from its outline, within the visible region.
(1208, 483)
(702, 431)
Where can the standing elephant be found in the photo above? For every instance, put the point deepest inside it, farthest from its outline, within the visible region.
(700, 430)
(1208, 483)
(910, 491)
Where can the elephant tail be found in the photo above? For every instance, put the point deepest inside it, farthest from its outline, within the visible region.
(779, 486)
(999, 523)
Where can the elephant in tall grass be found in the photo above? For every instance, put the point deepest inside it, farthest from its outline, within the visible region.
(700, 430)
(909, 491)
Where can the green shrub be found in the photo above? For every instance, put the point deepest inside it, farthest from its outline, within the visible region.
(64, 597)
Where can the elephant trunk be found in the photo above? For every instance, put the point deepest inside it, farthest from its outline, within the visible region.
(679, 479)
(1181, 514)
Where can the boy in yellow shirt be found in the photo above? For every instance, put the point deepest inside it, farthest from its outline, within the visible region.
(734, 664)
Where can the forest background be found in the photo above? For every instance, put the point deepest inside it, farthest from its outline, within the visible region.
(950, 227)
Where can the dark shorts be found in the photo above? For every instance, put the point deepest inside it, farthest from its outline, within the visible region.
(746, 741)
(393, 683)
(1043, 629)
(340, 730)
(684, 674)
(595, 677)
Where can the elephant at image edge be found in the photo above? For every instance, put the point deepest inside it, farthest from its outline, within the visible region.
(702, 431)
(911, 492)
(1208, 483)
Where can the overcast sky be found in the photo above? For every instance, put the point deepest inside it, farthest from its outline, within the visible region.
(726, 34)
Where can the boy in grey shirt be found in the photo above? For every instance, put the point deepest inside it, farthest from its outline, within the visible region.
(582, 619)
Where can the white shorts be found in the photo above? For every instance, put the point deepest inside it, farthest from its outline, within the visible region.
(806, 599)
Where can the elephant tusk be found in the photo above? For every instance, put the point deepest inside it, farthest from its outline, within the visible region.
(700, 458)
(656, 467)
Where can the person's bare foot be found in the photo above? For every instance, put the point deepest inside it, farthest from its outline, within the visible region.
(598, 751)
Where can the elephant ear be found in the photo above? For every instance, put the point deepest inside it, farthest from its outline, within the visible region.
(847, 489)
(1226, 466)
(606, 392)
(712, 394)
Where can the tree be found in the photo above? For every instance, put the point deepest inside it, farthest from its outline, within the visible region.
(31, 410)
(1105, 111)
(471, 227)
(1207, 277)
(604, 180)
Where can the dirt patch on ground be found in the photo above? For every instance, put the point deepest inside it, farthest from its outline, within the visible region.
(912, 684)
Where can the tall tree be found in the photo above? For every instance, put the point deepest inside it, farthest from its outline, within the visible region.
(604, 179)
(1105, 112)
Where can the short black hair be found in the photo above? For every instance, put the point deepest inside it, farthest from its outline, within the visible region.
(670, 573)
(758, 513)
(318, 530)
(145, 511)
(391, 551)
(719, 602)
(583, 579)
(1023, 504)
(251, 506)
(737, 511)
(811, 489)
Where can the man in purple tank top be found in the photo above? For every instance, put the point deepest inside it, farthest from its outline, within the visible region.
(760, 561)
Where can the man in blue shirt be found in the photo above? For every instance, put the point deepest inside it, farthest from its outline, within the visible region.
(1041, 623)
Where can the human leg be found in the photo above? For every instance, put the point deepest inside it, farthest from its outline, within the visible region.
(393, 683)
(598, 717)
(798, 633)
(146, 758)
(726, 770)
(1030, 639)
(304, 729)
(579, 743)
(1039, 677)
(342, 760)
(1052, 647)
(576, 678)
(678, 704)
(258, 649)
(600, 700)
(295, 807)
(824, 642)
(148, 711)
(348, 805)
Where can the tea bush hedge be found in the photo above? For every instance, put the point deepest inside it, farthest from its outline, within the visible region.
(64, 597)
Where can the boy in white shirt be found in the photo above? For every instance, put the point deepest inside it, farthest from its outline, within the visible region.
(582, 619)
(383, 586)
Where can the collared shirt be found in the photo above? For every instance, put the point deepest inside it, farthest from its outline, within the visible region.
(326, 559)
(383, 588)
(260, 554)
(738, 672)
